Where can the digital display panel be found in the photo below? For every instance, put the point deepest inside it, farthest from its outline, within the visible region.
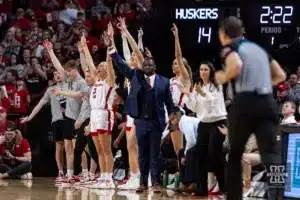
(292, 185)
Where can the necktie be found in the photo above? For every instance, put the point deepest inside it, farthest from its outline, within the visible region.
(148, 81)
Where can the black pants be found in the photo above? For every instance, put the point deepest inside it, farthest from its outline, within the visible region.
(148, 135)
(16, 171)
(251, 113)
(210, 156)
(188, 170)
(81, 142)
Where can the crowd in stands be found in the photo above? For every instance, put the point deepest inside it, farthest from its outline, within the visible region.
(25, 66)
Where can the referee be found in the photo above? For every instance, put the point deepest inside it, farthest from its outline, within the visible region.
(252, 73)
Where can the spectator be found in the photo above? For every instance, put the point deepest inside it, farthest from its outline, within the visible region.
(81, 16)
(19, 35)
(13, 62)
(33, 36)
(294, 89)
(60, 34)
(4, 101)
(20, 21)
(298, 74)
(17, 158)
(22, 98)
(10, 44)
(288, 113)
(26, 57)
(10, 85)
(281, 96)
(3, 59)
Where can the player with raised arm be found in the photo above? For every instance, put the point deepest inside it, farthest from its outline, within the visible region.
(102, 116)
(181, 81)
(134, 60)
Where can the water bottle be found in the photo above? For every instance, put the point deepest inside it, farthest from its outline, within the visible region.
(165, 179)
(177, 180)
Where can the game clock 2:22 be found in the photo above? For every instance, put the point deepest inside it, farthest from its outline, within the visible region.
(276, 24)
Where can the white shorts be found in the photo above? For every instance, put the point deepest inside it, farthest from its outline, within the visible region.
(129, 122)
(102, 121)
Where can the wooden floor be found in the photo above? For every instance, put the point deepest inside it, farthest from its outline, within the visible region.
(44, 189)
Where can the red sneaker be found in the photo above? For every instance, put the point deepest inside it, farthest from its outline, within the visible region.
(68, 182)
(59, 179)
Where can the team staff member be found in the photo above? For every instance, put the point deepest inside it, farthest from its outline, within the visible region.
(58, 105)
(73, 106)
(253, 109)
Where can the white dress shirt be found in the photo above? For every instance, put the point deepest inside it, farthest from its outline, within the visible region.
(289, 120)
(208, 108)
(188, 126)
(152, 79)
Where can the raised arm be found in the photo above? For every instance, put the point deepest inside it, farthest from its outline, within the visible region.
(88, 57)
(185, 77)
(140, 39)
(120, 63)
(48, 45)
(122, 26)
(84, 65)
(111, 77)
(125, 46)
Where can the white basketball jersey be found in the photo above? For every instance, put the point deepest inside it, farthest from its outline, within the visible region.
(178, 97)
(102, 96)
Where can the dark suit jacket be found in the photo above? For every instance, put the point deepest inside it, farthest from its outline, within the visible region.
(137, 80)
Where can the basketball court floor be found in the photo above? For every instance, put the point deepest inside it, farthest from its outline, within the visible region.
(44, 189)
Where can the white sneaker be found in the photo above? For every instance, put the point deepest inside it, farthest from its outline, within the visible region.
(97, 185)
(149, 181)
(132, 184)
(108, 184)
(248, 193)
(27, 176)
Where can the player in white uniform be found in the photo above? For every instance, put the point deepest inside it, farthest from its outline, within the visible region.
(134, 60)
(102, 117)
(181, 81)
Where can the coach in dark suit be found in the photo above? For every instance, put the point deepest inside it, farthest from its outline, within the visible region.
(145, 103)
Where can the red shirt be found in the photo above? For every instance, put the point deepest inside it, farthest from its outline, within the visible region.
(22, 148)
(129, 16)
(3, 60)
(3, 127)
(20, 101)
(91, 41)
(5, 103)
(23, 24)
(101, 25)
(6, 7)
(2, 131)
(11, 90)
